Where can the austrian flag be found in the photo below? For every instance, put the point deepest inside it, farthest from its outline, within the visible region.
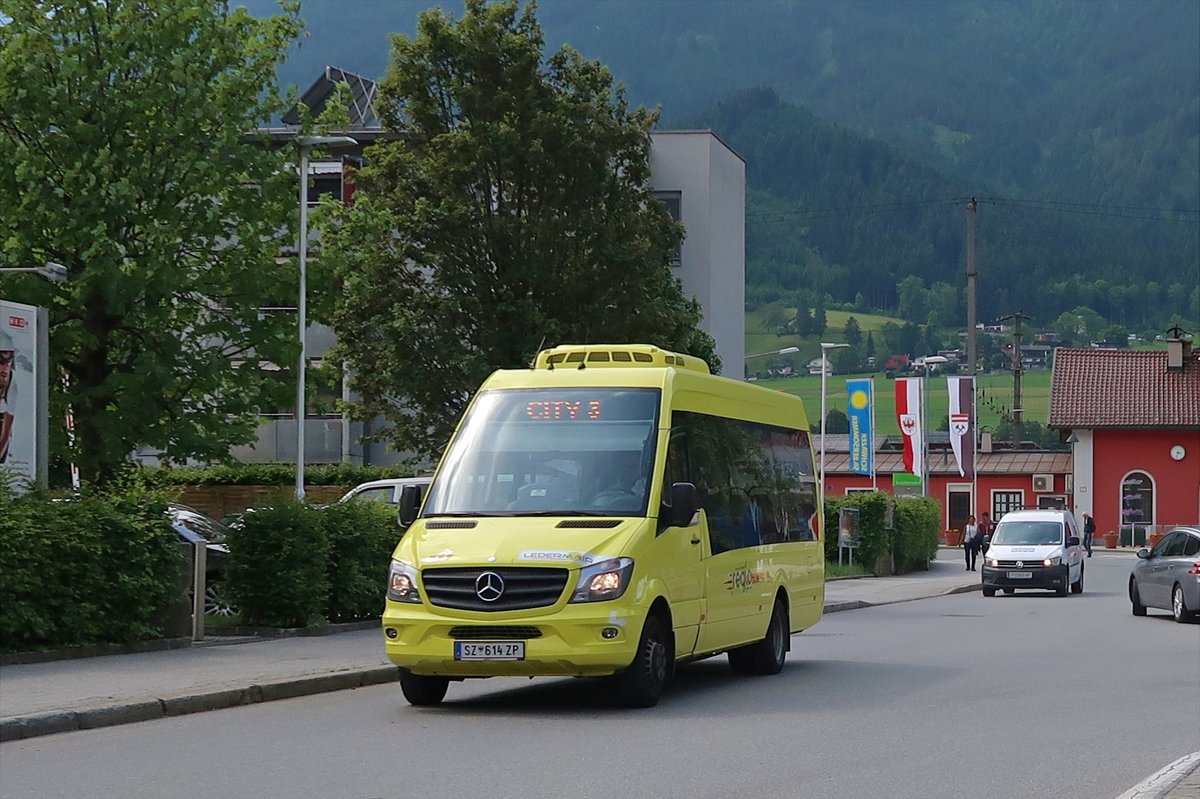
(908, 415)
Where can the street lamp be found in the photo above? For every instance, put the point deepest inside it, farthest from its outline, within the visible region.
(55, 273)
(305, 144)
(825, 347)
(927, 361)
(784, 351)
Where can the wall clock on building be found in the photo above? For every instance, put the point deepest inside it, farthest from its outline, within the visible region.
(1177, 452)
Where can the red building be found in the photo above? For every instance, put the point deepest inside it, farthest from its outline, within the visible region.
(1006, 479)
(1133, 417)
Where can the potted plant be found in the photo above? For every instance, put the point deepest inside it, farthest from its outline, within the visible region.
(953, 537)
(1110, 539)
(1155, 537)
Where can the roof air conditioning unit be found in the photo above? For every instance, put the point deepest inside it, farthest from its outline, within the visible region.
(1043, 483)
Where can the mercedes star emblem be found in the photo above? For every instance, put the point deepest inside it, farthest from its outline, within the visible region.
(489, 586)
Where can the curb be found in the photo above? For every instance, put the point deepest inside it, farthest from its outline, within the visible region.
(1161, 782)
(16, 728)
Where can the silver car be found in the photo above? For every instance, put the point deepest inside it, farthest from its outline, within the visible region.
(1168, 576)
(385, 490)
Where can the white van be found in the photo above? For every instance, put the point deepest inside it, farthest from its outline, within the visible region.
(1034, 549)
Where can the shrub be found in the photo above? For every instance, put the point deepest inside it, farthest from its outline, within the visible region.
(270, 474)
(277, 568)
(361, 538)
(98, 568)
(916, 533)
(911, 542)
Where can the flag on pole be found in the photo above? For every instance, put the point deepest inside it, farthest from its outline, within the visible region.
(908, 415)
(962, 425)
(860, 396)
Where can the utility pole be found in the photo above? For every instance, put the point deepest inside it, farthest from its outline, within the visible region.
(972, 208)
(1017, 369)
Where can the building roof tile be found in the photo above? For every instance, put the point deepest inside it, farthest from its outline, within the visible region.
(1092, 388)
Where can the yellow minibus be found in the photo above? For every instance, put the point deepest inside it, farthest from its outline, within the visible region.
(612, 510)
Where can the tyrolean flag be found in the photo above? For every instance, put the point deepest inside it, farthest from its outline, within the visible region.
(908, 416)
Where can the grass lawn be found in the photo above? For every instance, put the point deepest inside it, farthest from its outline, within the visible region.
(761, 337)
(995, 397)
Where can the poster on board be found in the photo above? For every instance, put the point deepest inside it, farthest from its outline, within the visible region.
(19, 395)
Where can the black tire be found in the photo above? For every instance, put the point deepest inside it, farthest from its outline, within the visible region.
(989, 592)
(1138, 608)
(767, 656)
(1077, 587)
(1065, 588)
(643, 683)
(1179, 608)
(423, 691)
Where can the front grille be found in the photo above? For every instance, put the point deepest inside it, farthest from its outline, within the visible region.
(1025, 564)
(596, 524)
(522, 588)
(492, 633)
(449, 525)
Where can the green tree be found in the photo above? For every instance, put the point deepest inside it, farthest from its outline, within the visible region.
(836, 421)
(914, 300)
(123, 131)
(853, 332)
(514, 209)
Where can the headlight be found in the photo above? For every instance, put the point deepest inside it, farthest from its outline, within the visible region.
(1052, 561)
(402, 583)
(607, 579)
(993, 562)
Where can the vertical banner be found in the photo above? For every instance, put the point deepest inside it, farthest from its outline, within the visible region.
(860, 399)
(19, 378)
(962, 423)
(908, 416)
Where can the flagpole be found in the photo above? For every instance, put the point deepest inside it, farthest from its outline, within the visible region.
(871, 443)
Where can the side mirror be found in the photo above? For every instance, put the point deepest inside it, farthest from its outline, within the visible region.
(1073, 541)
(1143, 553)
(683, 506)
(410, 503)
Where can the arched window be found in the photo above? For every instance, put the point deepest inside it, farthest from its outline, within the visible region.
(1137, 507)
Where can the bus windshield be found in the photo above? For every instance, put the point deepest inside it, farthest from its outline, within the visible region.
(550, 452)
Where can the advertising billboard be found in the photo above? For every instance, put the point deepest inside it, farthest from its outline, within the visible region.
(22, 392)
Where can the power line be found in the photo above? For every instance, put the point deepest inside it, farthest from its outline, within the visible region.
(1148, 213)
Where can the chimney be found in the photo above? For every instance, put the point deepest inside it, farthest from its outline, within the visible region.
(1179, 347)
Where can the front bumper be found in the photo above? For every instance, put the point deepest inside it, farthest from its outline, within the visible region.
(569, 639)
(1052, 578)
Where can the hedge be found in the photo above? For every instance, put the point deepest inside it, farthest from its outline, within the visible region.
(298, 565)
(911, 543)
(92, 569)
(269, 474)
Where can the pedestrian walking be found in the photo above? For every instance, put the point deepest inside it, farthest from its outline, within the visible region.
(986, 527)
(971, 542)
(1089, 532)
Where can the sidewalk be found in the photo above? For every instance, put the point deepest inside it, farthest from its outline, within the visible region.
(59, 696)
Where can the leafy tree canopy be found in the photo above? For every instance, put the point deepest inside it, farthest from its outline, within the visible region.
(123, 130)
(513, 211)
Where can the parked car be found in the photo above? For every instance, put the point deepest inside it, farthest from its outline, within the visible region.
(194, 527)
(1034, 549)
(1168, 576)
(385, 490)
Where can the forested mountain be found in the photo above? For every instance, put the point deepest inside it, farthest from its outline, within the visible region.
(1089, 108)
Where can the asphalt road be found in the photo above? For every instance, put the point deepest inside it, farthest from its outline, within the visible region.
(958, 696)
